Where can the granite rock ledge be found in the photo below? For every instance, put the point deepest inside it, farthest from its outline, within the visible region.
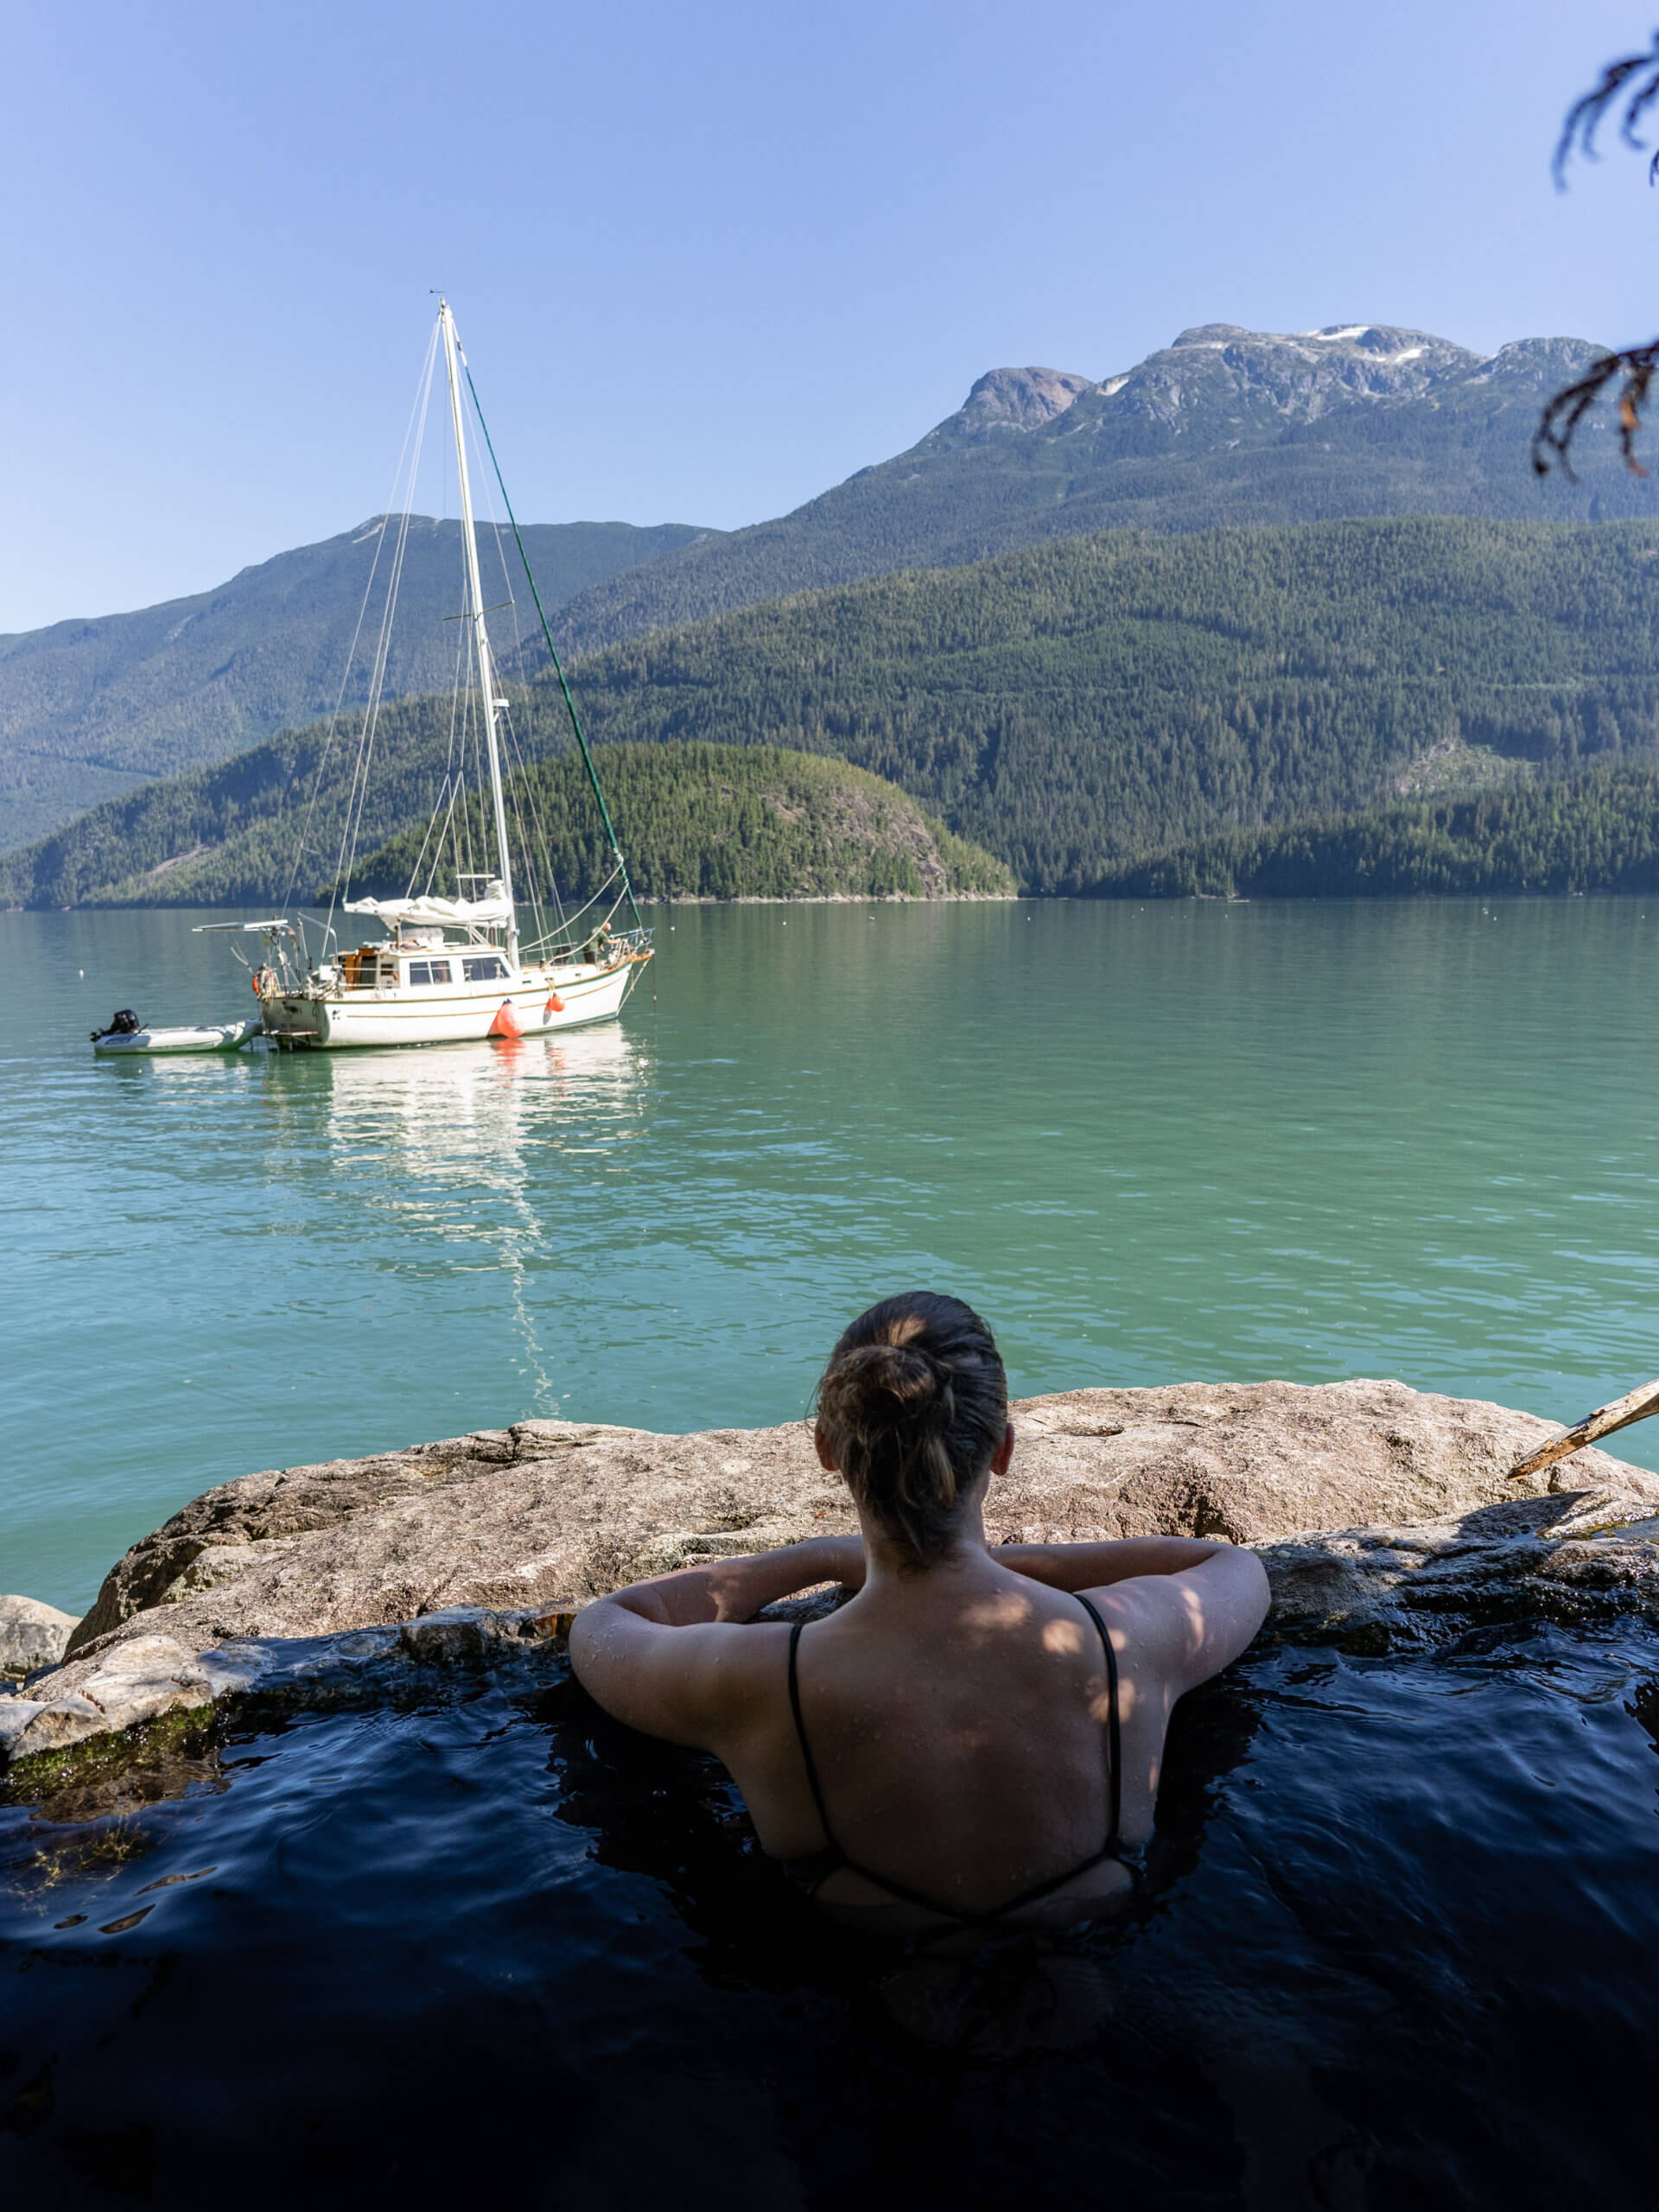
(1383, 1516)
(31, 1635)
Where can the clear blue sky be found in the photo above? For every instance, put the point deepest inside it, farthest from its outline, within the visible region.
(708, 260)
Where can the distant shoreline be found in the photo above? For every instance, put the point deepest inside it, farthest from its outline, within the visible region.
(834, 898)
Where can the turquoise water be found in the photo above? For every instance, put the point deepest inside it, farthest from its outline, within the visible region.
(1307, 1140)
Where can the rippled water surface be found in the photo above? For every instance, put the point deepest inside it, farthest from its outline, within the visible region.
(1396, 1951)
(1307, 1140)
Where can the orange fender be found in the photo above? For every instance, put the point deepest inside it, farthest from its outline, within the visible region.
(555, 1005)
(506, 1022)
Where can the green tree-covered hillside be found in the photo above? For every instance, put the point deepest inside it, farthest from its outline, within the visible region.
(706, 821)
(1066, 707)
(699, 821)
(1079, 702)
(90, 708)
(1225, 427)
(1596, 831)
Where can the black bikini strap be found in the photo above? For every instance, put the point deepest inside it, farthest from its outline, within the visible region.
(1113, 1738)
(834, 1856)
(806, 1748)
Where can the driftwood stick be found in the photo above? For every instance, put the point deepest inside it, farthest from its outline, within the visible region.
(1605, 1420)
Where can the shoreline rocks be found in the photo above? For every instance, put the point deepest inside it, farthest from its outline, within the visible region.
(1382, 1514)
(31, 1635)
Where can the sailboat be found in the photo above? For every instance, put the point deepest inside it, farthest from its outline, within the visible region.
(438, 967)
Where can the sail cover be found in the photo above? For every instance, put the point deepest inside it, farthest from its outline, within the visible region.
(459, 912)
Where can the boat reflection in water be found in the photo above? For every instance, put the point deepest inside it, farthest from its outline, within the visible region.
(459, 1161)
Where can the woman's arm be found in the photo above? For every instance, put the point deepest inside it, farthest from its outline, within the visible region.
(664, 1655)
(1195, 1604)
(1190, 1620)
(1091, 1567)
(736, 1589)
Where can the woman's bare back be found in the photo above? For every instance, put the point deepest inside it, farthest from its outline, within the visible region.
(962, 1741)
(959, 1722)
(968, 1766)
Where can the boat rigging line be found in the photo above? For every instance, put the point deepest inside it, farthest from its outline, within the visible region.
(553, 650)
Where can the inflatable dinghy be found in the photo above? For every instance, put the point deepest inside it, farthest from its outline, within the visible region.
(124, 1035)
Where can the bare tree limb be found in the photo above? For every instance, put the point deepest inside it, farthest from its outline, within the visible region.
(1637, 77)
(1627, 88)
(1636, 1406)
(1553, 439)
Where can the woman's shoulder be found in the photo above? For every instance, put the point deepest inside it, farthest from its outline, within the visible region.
(692, 1684)
(1188, 1625)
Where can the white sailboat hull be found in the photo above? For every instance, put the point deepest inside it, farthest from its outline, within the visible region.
(449, 1015)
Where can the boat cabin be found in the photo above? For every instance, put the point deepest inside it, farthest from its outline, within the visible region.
(427, 964)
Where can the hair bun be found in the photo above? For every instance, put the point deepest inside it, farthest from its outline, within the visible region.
(914, 1403)
(915, 1382)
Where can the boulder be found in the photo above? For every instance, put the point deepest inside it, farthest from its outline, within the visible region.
(1573, 1557)
(31, 1635)
(481, 1546)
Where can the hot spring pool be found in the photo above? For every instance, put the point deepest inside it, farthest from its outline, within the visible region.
(1397, 1950)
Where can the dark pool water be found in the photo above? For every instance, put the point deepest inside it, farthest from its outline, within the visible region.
(1399, 1950)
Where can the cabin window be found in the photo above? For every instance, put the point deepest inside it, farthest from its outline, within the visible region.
(484, 970)
(428, 971)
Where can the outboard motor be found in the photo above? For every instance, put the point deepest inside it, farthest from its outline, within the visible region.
(125, 1023)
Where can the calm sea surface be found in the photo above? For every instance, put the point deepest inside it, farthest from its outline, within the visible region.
(1308, 1141)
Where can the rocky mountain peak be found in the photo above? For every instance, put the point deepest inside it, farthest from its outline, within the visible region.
(1219, 385)
(1017, 399)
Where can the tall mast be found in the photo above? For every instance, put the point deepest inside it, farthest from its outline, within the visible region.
(474, 615)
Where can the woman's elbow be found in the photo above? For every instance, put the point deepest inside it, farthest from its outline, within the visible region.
(588, 1641)
(1255, 1576)
(1251, 1597)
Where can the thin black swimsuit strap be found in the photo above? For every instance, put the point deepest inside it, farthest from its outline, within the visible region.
(820, 1865)
(1114, 1731)
(813, 1782)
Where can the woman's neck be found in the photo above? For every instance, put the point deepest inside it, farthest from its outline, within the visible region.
(890, 1567)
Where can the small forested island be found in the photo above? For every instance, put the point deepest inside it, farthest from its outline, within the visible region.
(718, 822)
(714, 822)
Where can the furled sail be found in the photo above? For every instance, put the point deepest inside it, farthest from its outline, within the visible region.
(496, 907)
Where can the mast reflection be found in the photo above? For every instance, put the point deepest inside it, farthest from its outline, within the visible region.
(474, 1148)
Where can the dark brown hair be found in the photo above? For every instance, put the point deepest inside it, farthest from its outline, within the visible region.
(913, 1406)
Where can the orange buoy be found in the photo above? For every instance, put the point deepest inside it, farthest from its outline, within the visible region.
(506, 1022)
(555, 1005)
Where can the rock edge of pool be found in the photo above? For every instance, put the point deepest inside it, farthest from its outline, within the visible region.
(1384, 1515)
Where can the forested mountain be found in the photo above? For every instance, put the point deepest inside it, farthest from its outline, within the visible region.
(89, 709)
(699, 821)
(1225, 426)
(1596, 831)
(1067, 707)
(266, 825)
(714, 822)
(1098, 697)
